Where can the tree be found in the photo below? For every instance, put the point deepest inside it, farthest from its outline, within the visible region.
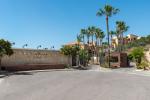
(121, 28)
(99, 36)
(71, 51)
(111, 34)
(83, 33)
(79, 39)
(88, 36)
(91, 31)
(5, 49)
(107, 11)
(84, 57)
(66, 50)
(137, 54)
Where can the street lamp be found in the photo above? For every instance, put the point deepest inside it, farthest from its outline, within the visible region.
(12, 43)
(39, 46)
(45, 48)
(25, 45)
(52, 47)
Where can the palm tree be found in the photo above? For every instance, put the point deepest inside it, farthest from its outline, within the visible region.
(121, 28)
(87, 36)
(111, 34)
(79, 39)
(102, 35)
(99, 36)
(83, 33)
(91, 31)
(107, 11)
(117, 34)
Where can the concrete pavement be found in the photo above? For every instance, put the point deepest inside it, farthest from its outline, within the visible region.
(74, 85)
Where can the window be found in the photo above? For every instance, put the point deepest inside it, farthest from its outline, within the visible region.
(114, 59)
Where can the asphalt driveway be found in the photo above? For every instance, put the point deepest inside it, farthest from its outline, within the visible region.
(74, 85)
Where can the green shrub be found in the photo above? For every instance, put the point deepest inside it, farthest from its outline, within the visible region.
(105, 65)
(84, 57)
(130, 57)
(143, 65)
(137, 54)
(67, 66)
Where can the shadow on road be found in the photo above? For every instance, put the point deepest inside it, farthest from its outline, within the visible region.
(4, 74)
(8, 73)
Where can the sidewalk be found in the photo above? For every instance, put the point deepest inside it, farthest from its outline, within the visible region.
(129, 70)
(98, 68)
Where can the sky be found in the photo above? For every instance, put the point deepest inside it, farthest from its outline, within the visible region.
(57, 22)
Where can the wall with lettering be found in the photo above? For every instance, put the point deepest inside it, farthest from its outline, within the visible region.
(35, 57)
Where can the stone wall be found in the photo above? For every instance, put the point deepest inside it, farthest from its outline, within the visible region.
(28, 59)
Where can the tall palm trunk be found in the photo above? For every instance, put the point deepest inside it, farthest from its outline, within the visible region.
(92, 47)
(101, 48)
(83, 41)
(84, 49)
(77, 56)
(122, 42)
(107, 24)
(97, 41)
(92, 39)
(118, 44)
(97, 49)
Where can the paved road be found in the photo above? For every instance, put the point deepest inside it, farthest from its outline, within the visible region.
(74, 85)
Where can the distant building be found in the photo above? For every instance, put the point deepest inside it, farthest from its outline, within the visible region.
(75, 44)
(128, 39)
(91, 47)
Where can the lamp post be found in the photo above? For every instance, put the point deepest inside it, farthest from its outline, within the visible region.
(45, 48)
(52, 47)
(39, 46)
(12, 43)
(25, 45)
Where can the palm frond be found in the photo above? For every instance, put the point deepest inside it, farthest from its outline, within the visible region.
(115, 11)
(100, 12)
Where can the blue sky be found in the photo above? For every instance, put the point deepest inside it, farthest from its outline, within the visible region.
(56, 22)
